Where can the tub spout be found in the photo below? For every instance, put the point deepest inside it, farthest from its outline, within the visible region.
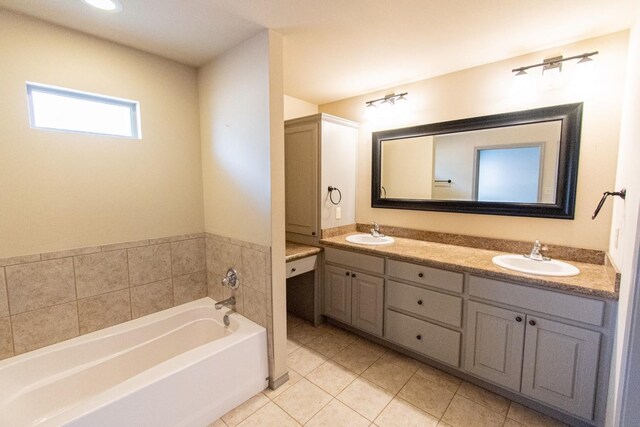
(226, 303)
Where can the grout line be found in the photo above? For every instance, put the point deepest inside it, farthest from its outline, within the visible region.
(129, 286)
(75, 288)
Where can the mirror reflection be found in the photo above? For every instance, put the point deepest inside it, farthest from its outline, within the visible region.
(516, 164)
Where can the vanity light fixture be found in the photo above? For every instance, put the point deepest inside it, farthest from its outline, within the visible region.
(106, 5)
(554, 65)
(377, 106)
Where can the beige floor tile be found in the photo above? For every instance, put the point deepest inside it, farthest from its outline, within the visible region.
(438, 378)
(294, 377)
(390, 376)
(365, 398)
(293, 320)
(292, 345)
(217, 423)
(368, 345)
(443, 424)
(531, 418)
(242, 412)
(270, 415)
(337, 414)
(511, 423)
(304, 360)
(400, 413)
(303, 400)
(426, 395)
(484, 397)
(356, 358)
(305, 332)
(400, 359)
(334, 330)
(331, 377)
(462, 412)
(329, 345)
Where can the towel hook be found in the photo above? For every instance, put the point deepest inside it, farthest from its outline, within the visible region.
(622, 194)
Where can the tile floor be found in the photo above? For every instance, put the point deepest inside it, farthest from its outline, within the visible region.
(340, 379)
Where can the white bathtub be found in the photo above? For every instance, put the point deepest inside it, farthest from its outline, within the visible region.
(178, 367)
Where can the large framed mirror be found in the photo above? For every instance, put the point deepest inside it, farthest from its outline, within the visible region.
(522, 163)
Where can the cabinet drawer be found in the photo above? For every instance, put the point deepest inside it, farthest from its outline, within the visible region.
(423, 302)
(363, 262)
(431, 340)
(301, 265)
(572, 307)
(435, 277)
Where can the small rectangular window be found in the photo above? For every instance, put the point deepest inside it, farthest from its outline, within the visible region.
(55, 108)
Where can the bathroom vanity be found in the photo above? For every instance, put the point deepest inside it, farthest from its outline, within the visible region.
(540, 340)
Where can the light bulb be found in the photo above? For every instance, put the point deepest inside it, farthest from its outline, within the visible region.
(521, 85)
(106, 5)
(370, 111)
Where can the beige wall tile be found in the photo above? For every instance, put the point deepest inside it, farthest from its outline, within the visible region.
(149, 264)
(214, 287)
(101, 273)
(222, 255)
(105, 310)
(69, 253)
(43, 327)
(255, 306)
(147, 299)
(6, 338)
(189, 287)
(239, 294)
(4, 262)
(255, 268)
(4, 302)
(188, 256)
(124, 245)
(40, 284)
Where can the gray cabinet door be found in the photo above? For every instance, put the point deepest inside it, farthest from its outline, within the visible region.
(301, 183)
(560, 365)
(337, 293)
(367, 294)
(494, 344)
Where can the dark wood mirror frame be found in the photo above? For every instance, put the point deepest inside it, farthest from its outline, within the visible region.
(567, 178)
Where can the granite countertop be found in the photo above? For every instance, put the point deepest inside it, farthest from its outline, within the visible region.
(296, 251)
(594, 279)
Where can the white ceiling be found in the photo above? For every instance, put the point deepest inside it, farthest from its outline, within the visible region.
(334, 49)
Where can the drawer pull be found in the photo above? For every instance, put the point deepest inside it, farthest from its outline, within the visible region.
(293, 269)
(518, 319)
(418, 337)
(420, 274)
(532, 322)
(419, 302)
(347, 273)
(353, 274)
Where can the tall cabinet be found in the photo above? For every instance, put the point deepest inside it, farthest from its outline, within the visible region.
(320, 152)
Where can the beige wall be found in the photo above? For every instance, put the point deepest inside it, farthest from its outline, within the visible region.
(294, 108)
(487, 90)
(63, 190)
(235, 128)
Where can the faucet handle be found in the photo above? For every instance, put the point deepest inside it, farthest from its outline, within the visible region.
(231, 279)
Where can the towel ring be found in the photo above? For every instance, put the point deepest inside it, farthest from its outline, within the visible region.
(331, 190)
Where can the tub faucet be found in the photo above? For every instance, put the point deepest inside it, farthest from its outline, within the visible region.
(375, 231)
(226, 303)
(535, 252)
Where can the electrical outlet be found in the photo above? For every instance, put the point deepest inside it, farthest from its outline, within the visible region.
(338, 213)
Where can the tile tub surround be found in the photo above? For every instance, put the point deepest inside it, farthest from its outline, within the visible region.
(567, 253)
(51, 297)
(378, 387)
(253, 265)
(594, 279)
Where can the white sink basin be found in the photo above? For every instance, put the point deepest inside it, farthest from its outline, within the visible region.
(368, 239)
(543, 268)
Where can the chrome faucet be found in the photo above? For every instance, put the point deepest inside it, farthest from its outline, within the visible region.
(375, 231)
(226, 303)
(535, 252)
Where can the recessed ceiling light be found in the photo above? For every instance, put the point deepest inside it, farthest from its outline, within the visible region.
(107, 5)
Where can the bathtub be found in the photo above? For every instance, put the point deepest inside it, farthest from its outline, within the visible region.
(178, 367)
